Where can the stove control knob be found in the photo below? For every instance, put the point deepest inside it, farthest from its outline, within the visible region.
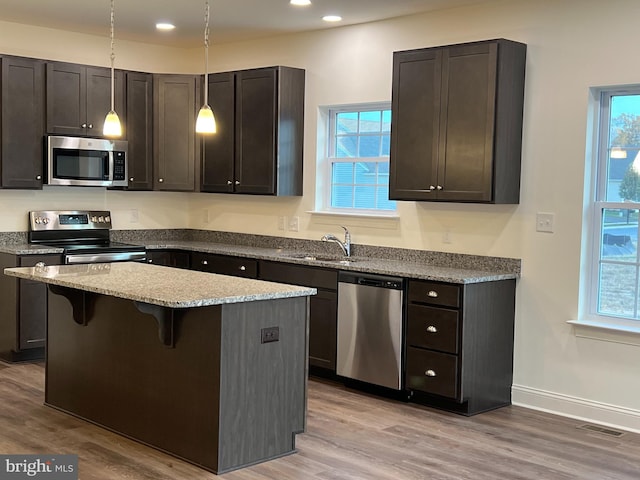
(38, 220)
(100, 219)
(107, 219)
(45, 220)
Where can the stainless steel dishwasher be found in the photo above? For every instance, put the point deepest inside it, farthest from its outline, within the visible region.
(370, 329)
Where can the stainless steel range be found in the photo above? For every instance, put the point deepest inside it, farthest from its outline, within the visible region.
(83, 234)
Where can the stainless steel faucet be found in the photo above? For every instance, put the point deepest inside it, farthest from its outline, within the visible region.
(345, 246)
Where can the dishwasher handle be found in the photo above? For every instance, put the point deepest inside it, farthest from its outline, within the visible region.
(371, 280)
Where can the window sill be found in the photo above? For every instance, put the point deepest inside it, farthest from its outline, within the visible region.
(385, 221)
(625, 333)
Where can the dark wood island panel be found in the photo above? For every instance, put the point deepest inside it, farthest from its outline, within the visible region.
(216, 395)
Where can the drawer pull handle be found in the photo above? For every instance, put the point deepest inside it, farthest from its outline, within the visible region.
(432, 294)
(432, 329)
(430, 373)
(242, 268)
(204, 262)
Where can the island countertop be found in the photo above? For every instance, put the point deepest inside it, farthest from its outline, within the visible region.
(158, 285)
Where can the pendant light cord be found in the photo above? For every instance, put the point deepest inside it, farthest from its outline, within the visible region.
(113, 55)
(206, 53)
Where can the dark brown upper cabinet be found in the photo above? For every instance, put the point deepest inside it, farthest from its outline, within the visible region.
(79, 98)
(260, 121)
(139, 130)
(175, 144)
(456, 131)
(22, 107)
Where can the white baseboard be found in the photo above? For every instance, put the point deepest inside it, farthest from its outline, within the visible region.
(621, 418)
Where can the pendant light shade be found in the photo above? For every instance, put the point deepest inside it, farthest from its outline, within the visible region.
(206, 122)
(112, 126)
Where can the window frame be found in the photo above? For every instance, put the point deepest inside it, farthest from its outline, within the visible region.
(327, 160)
(598, 203)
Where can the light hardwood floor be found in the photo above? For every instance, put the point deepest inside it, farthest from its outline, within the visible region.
(349, 436)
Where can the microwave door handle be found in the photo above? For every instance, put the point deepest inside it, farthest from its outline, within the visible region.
(111, 167)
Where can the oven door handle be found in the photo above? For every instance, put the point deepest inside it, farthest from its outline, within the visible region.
(71, 259)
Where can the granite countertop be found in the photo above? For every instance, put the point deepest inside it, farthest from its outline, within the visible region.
(157, 285)
(413, 264)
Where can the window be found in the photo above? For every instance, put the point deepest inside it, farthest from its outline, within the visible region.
(615, 277)
(357, 160)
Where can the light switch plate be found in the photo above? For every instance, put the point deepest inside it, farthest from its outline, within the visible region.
(294, 224)
(545, 222)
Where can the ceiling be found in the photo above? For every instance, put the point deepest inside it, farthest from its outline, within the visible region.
(231, 20)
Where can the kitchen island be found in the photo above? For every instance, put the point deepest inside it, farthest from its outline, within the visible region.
(209, 368)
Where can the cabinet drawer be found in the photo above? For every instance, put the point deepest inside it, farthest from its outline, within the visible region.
(435, 328)
(32, 260)
(434, 293)
(432, 372)
(224, 265)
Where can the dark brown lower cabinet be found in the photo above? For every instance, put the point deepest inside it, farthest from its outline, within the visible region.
(23, 310)
(459, 344)
(323, 309)
(169, 258)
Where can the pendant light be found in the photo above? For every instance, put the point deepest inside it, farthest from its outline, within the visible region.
(112, 127)
(206, 122)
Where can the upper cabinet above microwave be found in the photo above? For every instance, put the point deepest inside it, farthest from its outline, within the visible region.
(79, 97)
(456, 129)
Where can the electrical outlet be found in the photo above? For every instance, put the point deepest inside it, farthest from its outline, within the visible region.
(545, 222)
(294, 224)
(133, 216)
(282, 223)
(270, 334)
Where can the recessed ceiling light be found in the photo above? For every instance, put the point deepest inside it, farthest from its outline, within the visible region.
(332, 18)
(165, 26)
(300, 3)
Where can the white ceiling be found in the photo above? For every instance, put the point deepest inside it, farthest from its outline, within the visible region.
(231, 20)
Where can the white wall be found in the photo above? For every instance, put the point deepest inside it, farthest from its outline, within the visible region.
(572, 45)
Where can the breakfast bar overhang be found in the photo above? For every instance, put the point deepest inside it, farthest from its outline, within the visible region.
(208, 368)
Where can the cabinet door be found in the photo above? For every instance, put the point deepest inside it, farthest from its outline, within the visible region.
(467, 118)
(174, 137)
(415, 127)
(22, 122)
(218, 160)
(139, 130)
(99, 98)
(323, 313)
(32, 304)
(255, 156)
(66, 99)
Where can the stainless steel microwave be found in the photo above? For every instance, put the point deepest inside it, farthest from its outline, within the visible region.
(87, 162)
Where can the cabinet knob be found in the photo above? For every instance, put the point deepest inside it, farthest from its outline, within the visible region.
(84, 125)
(150, 260)
(432, 294)
(160, 180)
(432, 187)
(38, 177)
(432, 329)
(439, 187)
(229, 182)
(131, 179)
(242, 268)
(91, 125)
(204, 262)
(430, 373)
(237, 182)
